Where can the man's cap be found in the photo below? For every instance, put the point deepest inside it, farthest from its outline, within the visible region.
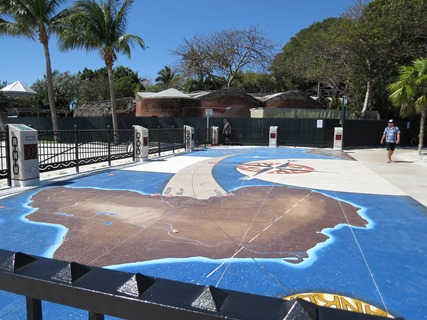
(390, 121)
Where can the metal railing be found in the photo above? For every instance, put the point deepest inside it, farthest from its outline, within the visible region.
(73, 148)
(125, 295)
(162, 140)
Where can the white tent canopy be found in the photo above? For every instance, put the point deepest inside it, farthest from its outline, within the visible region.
(17, 89)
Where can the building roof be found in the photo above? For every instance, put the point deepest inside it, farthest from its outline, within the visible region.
(103, 108)
(18, 89)
(169, 93)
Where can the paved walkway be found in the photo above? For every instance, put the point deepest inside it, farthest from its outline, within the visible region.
(338, 226)
(408, 171)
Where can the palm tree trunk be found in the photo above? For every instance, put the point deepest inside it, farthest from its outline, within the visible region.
(421, 136)
(50, 94)
(113, 104)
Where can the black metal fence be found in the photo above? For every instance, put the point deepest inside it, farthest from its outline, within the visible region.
(74, 148)
(292, 132)
(102, 292)
(165, 139)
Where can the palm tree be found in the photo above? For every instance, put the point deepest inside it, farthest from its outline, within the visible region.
(410, 93)
(101, 26)
(36, 20)
(165, 76)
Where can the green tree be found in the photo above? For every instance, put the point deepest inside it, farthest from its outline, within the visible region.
(126, 82)
(94, 84)
(312, 59)
(253, 82)
(357, 54)
(92, 90)
(410, 93)
(224, 54)
(165, 77)
(101, 26)
(379, 36)
(35, 19)
(66, 88)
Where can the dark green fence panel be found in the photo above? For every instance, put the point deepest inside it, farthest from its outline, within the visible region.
(291, 132)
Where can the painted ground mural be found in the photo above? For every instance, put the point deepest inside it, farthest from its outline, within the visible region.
(280, 222)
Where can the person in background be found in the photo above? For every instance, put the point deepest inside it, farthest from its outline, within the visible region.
(226, 131)
(391, 136)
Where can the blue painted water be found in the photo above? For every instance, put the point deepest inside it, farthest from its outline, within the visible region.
(383, 263)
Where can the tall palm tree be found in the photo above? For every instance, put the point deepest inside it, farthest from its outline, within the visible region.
(36, 20)
(100, 25)
(410, 93)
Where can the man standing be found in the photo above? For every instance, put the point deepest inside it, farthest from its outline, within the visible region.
(226, 131)
(391, 136)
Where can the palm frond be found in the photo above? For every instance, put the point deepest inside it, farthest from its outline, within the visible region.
(421, 103)
(100, 25)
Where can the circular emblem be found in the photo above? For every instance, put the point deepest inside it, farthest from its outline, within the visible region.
(272, 167)
(340, 302)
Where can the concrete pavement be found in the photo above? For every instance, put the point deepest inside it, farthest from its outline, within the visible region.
(408, 171)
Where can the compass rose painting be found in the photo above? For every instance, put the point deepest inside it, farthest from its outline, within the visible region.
(257, 168)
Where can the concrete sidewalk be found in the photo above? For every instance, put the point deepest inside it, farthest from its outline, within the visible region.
(408, 171)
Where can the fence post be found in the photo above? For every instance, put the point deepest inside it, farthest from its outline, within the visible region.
(173, 140)
(34, 309)
(96, 316)
(8, 167)
(76, 147)
(109, 143)
(158, 143)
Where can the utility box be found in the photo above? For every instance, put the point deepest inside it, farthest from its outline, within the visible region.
(215, 135)
(272, 137)
(24, 159)
(338, 138)
(189, 138)
(140, 143)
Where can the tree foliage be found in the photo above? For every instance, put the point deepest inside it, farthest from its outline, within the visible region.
(101, 26)
(94, 84)
(36, 20)
(66, 88)
(224, 54)
(357, 54)
(312, 57)
(253, 82)
(410, 92)
(165, 77)
(379, 37)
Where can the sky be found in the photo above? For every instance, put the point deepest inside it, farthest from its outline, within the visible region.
(163, 25)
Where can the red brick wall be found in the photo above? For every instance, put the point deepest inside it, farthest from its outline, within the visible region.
(167, 107)
(293, 104)
(227, 101)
